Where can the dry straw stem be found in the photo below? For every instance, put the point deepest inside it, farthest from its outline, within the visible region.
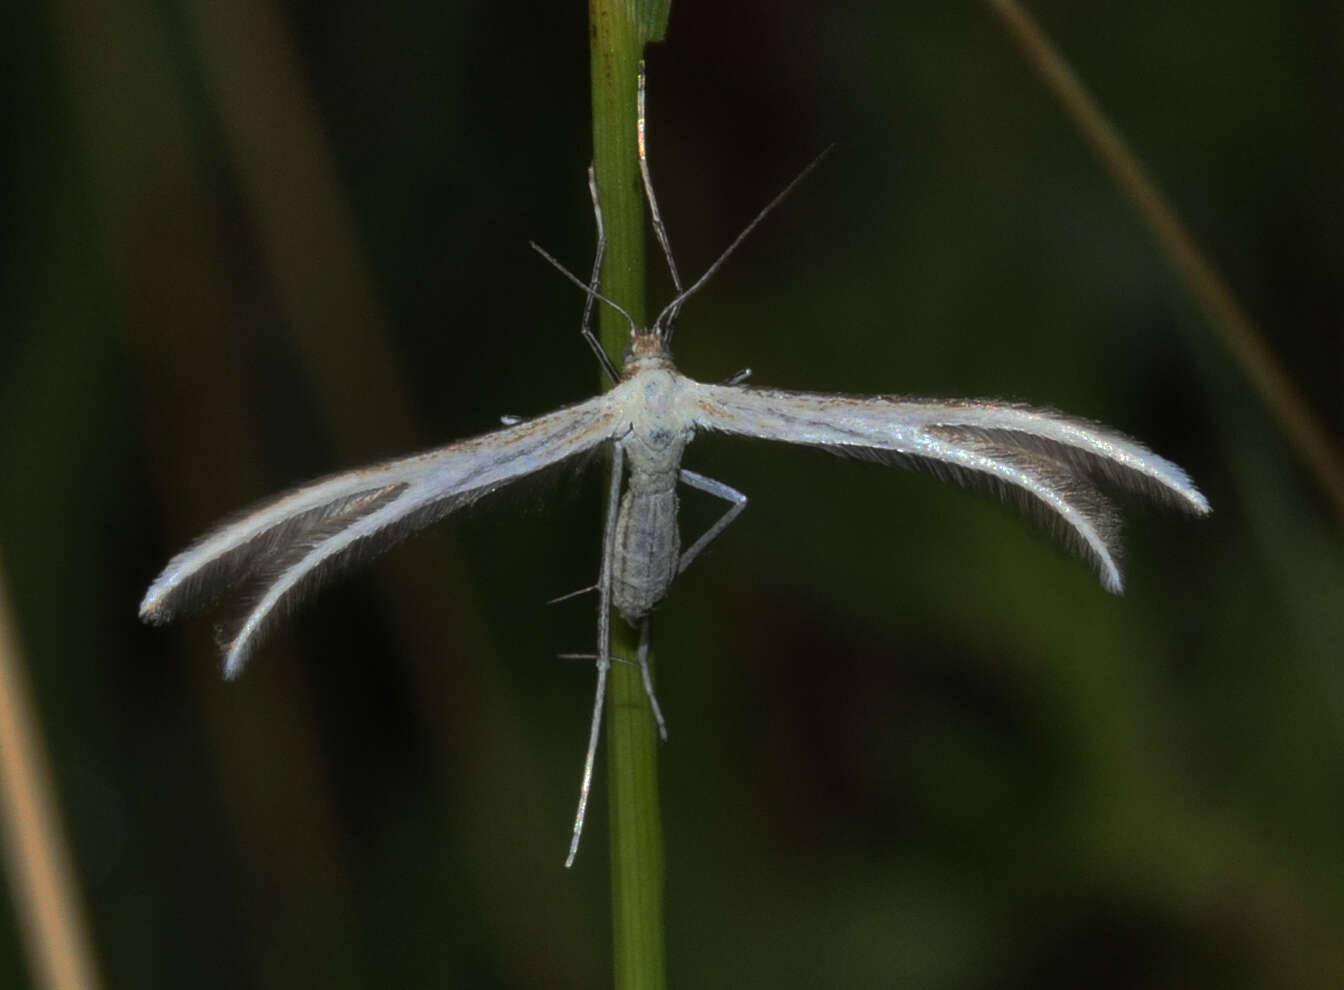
(1239, 331)
(51, 918)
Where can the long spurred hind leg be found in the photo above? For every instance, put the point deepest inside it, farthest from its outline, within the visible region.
(603, 647)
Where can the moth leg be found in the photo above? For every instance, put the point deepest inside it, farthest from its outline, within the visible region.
(642, 662)
(572, 594)
(586, 327)
(603, 646)
(642, 658)
(659, 228)
(711, 487)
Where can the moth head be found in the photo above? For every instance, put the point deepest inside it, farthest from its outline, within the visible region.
(646, 349)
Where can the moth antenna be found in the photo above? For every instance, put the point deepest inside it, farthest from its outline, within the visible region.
(671, 308)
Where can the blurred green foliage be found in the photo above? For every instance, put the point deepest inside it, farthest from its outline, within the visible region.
(913, 744)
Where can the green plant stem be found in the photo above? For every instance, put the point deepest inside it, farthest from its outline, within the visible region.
(620, 29)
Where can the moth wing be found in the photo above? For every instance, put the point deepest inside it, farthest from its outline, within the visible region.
(287, 545)
(1048, 462)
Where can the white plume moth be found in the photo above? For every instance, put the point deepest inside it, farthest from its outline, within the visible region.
(1050, 464)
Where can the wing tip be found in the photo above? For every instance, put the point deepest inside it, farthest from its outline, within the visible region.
(155, 609)
(236, 650)
(1111, 578)
(1198, 504)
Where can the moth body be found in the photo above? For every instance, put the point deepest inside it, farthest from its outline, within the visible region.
(647, 551)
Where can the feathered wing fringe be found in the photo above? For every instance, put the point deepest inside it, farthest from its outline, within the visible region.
(268, 539)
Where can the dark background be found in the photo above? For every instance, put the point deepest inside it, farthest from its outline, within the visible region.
(912, 742)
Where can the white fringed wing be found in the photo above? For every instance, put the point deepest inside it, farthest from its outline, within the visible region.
(281, 549)
(1047, 462)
